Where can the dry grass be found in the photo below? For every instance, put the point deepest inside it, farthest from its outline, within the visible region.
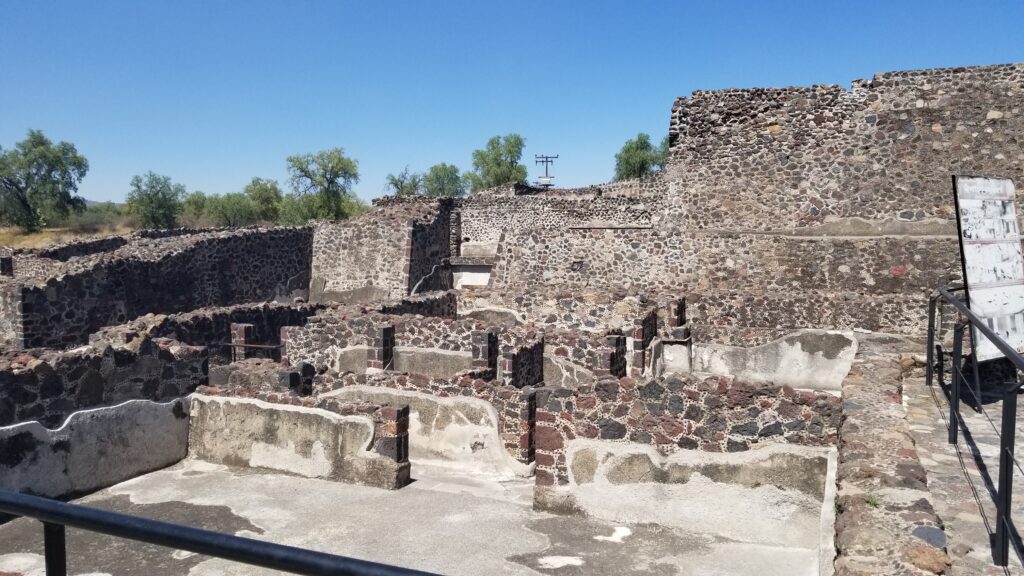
(15, 238)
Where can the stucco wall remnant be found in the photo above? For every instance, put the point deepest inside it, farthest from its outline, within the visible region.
(306, 441)
(94, 448)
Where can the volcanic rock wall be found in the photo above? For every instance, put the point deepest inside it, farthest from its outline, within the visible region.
(62, 302)
(384, 253)
(780, 209)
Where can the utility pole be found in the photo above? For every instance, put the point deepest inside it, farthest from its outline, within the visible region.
(545, 181)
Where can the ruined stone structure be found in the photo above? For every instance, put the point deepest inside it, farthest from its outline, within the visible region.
(702, 320)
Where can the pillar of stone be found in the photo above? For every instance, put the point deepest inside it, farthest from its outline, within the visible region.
(241, 334)
(611, 358)
(6, 265)
(393, 433)
(485, 350)
(381, 354)
(638, 358)
(677, 313)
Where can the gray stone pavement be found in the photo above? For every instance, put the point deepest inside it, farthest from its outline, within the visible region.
(962, 479)
(443, 523)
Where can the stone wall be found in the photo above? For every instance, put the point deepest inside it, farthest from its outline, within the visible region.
(11, 335)
(714, 414)
(515, 407)
(780, 209)
(617, 205)
(71, 250)
(382, 254)
(63, 302)
(52, 385)
(212, 327)
(93, 449)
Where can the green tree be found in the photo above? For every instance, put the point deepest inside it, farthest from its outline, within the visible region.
(155, 200)
(327, 175)
(498, 163)
(297, 209)
(38, 178)
(193, 207)
(266, 198)
(233, 209)
(443, 181)
(639, 157)
(404, 183)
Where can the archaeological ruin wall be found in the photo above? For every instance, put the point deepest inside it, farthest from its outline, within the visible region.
(54, 303)
(780, 209)
(383, 254)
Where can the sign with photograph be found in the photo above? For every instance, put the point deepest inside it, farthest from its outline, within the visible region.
(993, 265)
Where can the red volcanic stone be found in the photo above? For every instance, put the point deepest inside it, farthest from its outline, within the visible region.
(907, 453)
(545, 416)
(544, 478)
(620, 410)
(586, 402)
(898, 270)
(548, 438)
(544, 459)
(673, 427)
(587, 430)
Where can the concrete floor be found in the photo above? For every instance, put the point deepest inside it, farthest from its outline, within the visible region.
(443, 523)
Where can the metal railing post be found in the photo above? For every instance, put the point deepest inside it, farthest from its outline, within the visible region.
(954, 395)
(54, 549)
(930, 368)
(1004, 495)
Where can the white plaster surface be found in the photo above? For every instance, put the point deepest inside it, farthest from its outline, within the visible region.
(807, 359)
(305, 441)
(676, 358)
(772, 516)
(94, 448)
(458, 433)
(466, 278)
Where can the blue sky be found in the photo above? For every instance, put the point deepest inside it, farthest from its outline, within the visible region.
(212, 93)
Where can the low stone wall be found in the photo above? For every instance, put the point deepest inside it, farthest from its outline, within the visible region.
(438, 304)
(82, 248)
(52, 385)
(62, 303)
(306, 441)
(713, 414)
(812, 359)
(790, 487)
(93, 449)
(212, 327)
(515, 408)
(886, 522)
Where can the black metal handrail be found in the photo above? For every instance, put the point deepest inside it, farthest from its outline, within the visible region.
(56, 515)
(1007, 433)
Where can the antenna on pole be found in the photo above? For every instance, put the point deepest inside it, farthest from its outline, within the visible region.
(545, 181)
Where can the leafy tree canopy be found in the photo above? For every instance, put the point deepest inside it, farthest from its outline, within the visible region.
(194, 205)
(266, 198)
(498, 163)
(155, 200)
(328, 176)
(404, 183)
(443, 181)
(40, 178)
(639, 157)
(233, 209)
